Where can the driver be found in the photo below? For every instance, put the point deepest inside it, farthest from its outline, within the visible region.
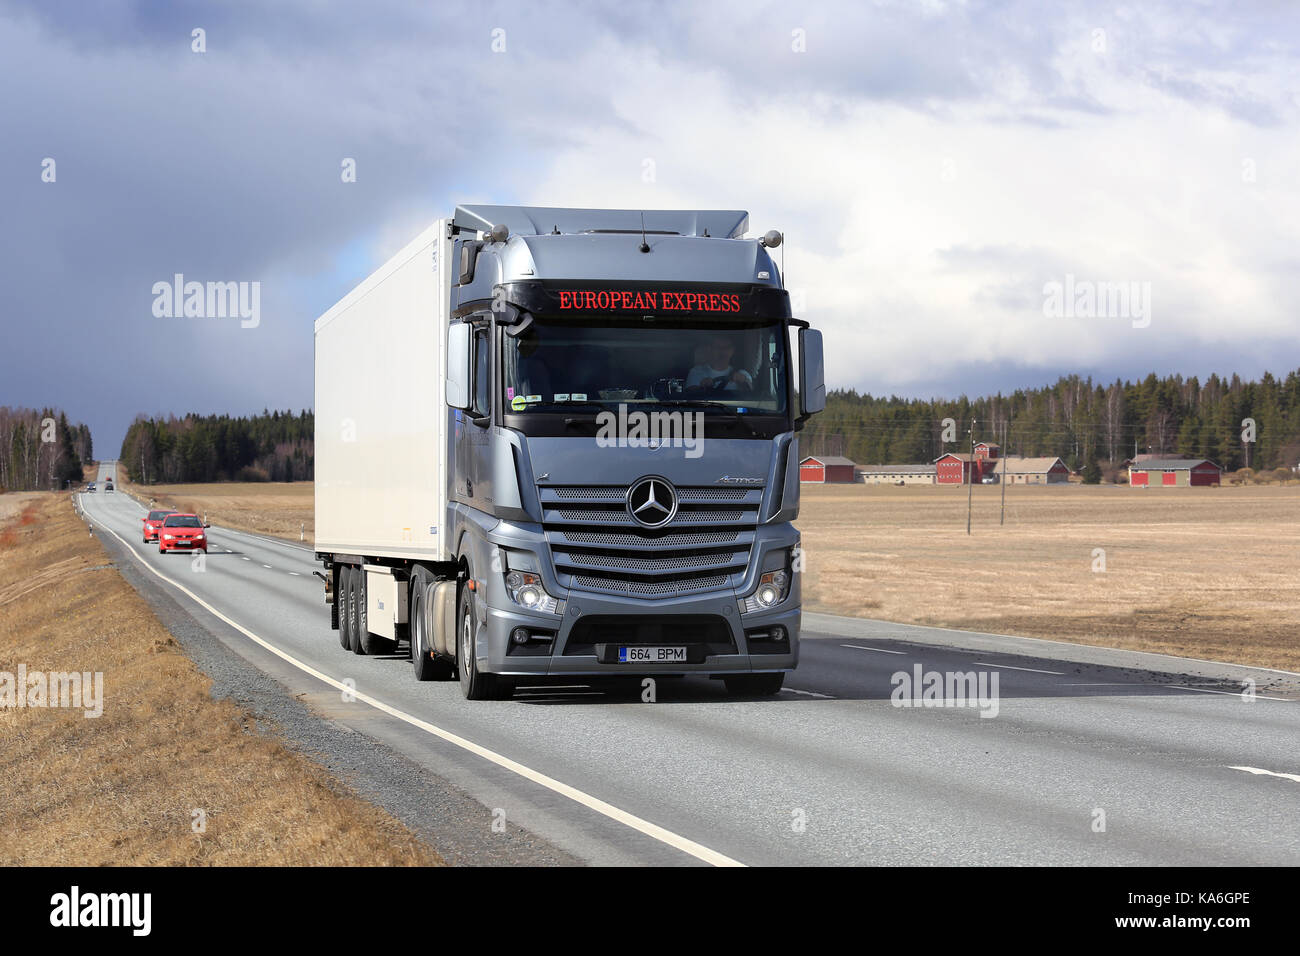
(716, 371)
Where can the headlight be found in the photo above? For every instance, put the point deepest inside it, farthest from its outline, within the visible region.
(525, 589)
(773, 588)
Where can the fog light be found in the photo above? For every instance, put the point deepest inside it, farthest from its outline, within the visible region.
(520, 635)
(768, 595)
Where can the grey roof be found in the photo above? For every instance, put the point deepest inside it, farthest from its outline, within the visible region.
(1029, 466)
(543, 220)
(897, 469)
(830, 460)
(1170, 464)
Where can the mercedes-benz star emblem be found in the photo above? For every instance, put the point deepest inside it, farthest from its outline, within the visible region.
(652, 502)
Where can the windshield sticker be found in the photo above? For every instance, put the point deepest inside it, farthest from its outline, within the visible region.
(532, 398)
(561, 396)
(578, 396)
(518, 403)
(510, 391)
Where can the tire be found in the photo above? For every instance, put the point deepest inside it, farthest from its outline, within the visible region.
(345, 614)
(754, 685)
(354, 615)
(474, 684)
(369, 643)
(423, 664)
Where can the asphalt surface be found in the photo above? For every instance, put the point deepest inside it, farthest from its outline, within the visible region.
(1085, 756)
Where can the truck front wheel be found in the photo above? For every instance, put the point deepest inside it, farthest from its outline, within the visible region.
(474, 684)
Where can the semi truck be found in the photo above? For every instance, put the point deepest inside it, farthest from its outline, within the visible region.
(560, 445)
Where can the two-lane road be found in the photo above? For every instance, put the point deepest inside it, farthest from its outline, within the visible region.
(1092, 756)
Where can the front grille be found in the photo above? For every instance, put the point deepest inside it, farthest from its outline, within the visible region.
(597, 545)
(650, 588)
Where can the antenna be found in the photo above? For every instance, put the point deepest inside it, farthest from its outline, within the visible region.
(645, 246)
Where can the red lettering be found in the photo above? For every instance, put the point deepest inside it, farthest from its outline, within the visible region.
(713, 302)
(566, 300)
(735, 302)
(589, 300)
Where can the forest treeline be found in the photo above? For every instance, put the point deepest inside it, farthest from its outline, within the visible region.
(272, 446)
(1078, 420)
(40, 450)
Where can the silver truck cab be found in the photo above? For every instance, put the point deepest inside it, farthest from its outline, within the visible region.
(592, 538)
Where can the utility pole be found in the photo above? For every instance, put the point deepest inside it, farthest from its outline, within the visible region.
(1002, 518)
(970, 476)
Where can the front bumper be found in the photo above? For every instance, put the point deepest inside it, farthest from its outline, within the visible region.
(575, 645)
(192, 544)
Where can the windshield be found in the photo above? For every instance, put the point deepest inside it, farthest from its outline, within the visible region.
(740, 366)
(158, 515)
(182, 521)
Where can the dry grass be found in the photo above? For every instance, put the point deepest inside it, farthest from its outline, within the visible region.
(1198, 572)
(120, 789)
(278, 509)
(12, 503)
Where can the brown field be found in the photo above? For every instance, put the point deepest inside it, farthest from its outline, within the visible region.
(1198, 572)
(279, 509)
(121, 788)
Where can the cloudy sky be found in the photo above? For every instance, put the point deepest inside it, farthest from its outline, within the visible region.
(935, 167)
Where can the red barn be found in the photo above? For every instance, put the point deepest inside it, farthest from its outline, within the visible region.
(1174, 472)
(828, 469)
(954, 468)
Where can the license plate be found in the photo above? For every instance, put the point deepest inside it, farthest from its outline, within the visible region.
(651, 655)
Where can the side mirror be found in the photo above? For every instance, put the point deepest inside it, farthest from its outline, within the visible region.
(206, 525)
(458, 354)
(812, 373)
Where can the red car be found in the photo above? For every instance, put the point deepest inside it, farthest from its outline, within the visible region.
(153, 521)
(181, 532)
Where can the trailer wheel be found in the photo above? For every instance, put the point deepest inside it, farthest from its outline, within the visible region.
(345, 612)
(354, 611)
(474, 684)
(423, 664)
(754, 685)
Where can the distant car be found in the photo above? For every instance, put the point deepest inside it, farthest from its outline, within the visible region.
(182, 532)
(91, 488)
(153, 521)
(108, 486)
(989, 481)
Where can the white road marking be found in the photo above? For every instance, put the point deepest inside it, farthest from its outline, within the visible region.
(295, 574)
(244, 559)
(268, 567)
(1008, 667)
(1227, 693)
(806, 693)
(881, 650)
(652, 830)
(1269, 773)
